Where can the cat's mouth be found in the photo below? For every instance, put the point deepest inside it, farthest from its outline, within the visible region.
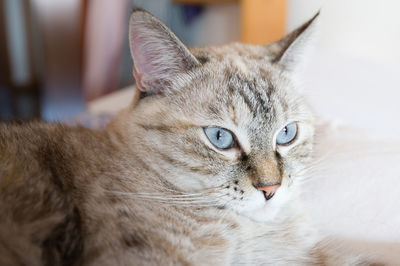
(268, 195)
(265, 207)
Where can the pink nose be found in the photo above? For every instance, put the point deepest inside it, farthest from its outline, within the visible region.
(269, 191)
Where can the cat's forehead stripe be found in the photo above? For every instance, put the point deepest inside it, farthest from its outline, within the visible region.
(254, 95)
(232, 113)
(246, 100)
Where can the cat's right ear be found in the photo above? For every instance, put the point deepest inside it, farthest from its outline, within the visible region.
(290, 51)
(157, 53)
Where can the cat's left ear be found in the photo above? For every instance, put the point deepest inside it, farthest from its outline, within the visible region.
(290, 51)
(157, 53)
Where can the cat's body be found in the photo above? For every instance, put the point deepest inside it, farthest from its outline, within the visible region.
(151, 188)
(58, 204)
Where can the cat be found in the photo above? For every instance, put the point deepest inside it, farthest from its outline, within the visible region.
(203, 168)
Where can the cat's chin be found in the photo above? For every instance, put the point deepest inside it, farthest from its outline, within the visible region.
(262, 215)
(264, 211)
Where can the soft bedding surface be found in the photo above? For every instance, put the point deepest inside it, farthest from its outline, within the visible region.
(353, 191)
(354, 187)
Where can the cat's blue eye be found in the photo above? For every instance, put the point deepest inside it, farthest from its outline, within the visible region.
(287, 134)
(219, 137)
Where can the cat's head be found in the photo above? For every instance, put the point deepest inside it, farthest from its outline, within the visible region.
(224, 122)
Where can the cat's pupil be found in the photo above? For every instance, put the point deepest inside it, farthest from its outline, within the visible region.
(218, 134)
(285, 130)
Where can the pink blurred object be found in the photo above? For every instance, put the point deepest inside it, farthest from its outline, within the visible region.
(104, 36)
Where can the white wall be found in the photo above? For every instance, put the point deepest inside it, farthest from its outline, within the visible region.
(354, 73)
(367, 29)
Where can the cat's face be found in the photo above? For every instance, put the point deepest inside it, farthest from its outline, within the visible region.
(225, 122)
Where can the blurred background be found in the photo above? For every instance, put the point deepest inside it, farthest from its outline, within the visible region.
(56, 56)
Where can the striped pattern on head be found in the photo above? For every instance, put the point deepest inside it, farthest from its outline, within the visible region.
(246, 89)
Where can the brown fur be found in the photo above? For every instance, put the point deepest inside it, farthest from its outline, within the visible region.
(151, 189)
